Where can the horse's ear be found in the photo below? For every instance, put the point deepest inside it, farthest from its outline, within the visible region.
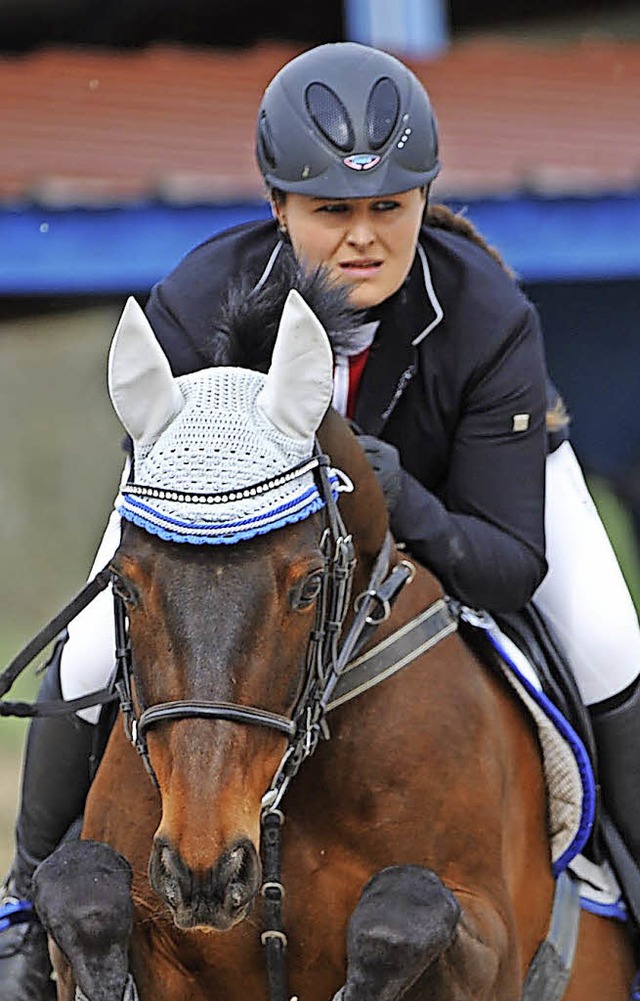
(143, 391)
(299, 384)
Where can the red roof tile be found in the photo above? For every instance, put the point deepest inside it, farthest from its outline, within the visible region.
(93, 126)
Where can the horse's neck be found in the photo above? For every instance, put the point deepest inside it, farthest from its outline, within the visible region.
(364, 510)
(365, 513)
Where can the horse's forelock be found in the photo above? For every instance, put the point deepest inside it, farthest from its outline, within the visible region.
(245, 329)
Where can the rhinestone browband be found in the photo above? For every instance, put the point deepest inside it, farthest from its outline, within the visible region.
(192, 497)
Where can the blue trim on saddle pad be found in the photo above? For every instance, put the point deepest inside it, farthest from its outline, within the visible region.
(616, 911)
(635, 988)
(588, 806)
(197, 533)
(16, 913)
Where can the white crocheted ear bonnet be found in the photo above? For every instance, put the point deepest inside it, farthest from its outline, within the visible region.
(226, 453)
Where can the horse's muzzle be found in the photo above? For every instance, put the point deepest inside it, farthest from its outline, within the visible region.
(218, 898)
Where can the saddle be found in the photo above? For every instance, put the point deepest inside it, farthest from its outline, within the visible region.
(532, 635)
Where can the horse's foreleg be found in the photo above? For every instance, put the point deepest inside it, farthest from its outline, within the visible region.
(82, 896)
(166, 981)
(410, 936)
(160, 975)
(65, 983)
(480, 964)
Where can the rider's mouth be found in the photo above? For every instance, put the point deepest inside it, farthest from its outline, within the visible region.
(364, 268)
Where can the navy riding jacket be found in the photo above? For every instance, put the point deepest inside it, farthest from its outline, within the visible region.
(455, 379)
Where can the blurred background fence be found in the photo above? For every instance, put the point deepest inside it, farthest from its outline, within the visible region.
(60, 463)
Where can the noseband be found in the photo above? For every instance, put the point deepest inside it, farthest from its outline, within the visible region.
(326, 657)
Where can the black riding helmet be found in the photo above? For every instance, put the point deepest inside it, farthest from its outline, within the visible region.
(344, 120)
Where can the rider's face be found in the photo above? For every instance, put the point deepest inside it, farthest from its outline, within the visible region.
(368, 243)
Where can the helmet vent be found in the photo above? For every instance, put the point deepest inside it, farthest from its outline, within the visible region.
(383, 108)
(265, 140)
(330, 116)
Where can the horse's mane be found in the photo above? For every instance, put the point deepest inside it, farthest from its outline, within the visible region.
(245, 329)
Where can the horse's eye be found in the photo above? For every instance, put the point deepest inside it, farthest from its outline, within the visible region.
(124, 590)
(307, 590)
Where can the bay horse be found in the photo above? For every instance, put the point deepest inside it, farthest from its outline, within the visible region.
(437, 767)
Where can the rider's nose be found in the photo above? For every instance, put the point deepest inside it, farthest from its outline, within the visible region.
(360, 234)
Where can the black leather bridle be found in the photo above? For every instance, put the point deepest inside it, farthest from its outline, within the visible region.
(327, 660)
(326, 656)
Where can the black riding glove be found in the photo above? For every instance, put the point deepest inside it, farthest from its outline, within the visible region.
(384, 459)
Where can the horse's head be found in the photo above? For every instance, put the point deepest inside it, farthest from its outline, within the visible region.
(225, 558)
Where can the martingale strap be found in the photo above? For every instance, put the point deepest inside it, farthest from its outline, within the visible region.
(394, 652)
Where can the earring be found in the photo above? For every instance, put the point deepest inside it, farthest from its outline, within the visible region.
(282, 232)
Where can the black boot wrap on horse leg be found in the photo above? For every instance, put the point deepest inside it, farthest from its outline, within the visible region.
(616, 728)
(57, 772)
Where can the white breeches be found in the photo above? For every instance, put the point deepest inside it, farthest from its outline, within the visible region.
(88, 658)
(584, 597)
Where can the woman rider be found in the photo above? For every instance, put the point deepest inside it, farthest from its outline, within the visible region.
(446, 377)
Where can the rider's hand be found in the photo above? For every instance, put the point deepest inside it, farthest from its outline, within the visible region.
(385, 462)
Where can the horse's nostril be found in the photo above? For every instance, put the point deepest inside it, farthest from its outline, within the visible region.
(239, 874)
(237, 895)
(218, 897)
(169, 877)
(237, 864)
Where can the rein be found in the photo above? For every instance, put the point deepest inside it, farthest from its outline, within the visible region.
(54, 707)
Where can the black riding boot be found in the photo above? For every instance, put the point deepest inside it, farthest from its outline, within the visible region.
(56, 778)
(616, 728)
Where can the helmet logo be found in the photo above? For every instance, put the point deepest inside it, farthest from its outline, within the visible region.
(361, 161)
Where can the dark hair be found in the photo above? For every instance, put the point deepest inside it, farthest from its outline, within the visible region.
(442, 217)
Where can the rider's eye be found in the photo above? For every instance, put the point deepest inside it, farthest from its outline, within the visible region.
(333, 208)
(306, 592)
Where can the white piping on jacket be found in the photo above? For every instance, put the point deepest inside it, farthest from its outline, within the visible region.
(426, 273)
(428, 284)
(269, 266)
